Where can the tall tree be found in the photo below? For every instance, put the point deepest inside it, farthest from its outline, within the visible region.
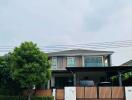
(7, 85)
(29, 66)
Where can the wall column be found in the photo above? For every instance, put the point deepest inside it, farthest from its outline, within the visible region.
(74, 79)
(120, 78)
(109, 61)
(52, 81)
(83, 61)
(48, 84)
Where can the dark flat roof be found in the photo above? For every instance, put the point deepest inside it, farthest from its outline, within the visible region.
(108, 69)
(60, 71)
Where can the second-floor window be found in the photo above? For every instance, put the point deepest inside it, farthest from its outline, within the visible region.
(54, 62)
(93, 61)
(71, 62)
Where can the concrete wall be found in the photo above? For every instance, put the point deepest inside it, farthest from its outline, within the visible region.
(62, 62)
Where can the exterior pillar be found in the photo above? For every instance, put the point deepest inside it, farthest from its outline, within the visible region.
(120, 78)
(109, 61)
(48, 84)
(74, 79)
(83, 61)
(52, 81)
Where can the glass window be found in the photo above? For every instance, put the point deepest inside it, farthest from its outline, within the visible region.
(54, 62)
(93, 61)
(70, 61)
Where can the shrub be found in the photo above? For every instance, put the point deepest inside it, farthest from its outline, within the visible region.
(42, 98)
(9, 97)
(25, 98)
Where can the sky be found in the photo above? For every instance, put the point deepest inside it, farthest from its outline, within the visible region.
(61, 22)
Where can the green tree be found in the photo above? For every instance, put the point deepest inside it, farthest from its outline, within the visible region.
(7, 85)
(29, 66)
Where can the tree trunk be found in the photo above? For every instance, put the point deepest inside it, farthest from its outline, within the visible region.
(29, 97)
(29, 93)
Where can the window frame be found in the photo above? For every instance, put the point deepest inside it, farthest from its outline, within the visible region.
(68, 65)
(54, 66)
(102, 59)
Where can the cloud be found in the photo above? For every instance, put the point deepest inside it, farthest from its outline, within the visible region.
(51, 22)
(74, 18)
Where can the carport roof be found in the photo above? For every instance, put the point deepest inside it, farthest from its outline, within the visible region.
(107, 69)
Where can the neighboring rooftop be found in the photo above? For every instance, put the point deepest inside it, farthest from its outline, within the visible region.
(76, 52)
(128, 63)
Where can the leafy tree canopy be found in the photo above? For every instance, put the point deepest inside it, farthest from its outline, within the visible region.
(7, 85)
(29, 65)
(4, 70)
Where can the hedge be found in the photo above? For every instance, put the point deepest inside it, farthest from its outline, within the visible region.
(25, 98)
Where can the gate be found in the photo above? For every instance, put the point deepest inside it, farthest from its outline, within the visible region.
(94, 93)
(85, 93)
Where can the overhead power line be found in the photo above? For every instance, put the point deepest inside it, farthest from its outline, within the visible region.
(102, 45)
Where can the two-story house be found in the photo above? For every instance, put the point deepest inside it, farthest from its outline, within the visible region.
(78, 67)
